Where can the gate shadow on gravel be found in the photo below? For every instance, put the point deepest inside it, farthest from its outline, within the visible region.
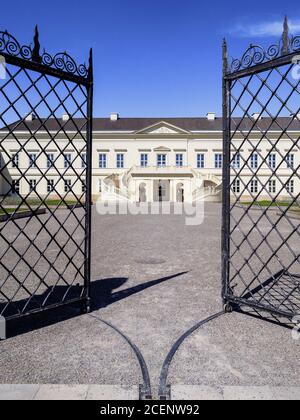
(102, 293)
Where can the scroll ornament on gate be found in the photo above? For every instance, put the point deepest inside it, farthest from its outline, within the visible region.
(61, 61)
(257, 54)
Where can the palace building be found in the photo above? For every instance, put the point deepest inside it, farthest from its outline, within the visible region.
(150, 159)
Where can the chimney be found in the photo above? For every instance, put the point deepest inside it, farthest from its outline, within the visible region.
(30, 117)
(65, 117)
(114, 116)
(296, 116)
(256, 116)
(211, 116)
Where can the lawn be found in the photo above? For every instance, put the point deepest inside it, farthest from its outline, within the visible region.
(267, 203)
(12, 201)
(2, 212)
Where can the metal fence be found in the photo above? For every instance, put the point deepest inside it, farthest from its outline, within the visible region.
(45, 199)
(261, 207)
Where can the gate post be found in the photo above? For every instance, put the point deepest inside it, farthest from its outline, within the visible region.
(226, 176)
(90, 91)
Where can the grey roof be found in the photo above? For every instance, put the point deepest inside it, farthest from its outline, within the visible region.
(137, 124)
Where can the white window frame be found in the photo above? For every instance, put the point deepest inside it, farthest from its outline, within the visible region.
(67, 160)
(32, 160)
(236, 186)
(144, 158)
(236, 161)
(290, 160)
(16, 186)
(15, 160)
(32, 189)
(290, 186)
(179, 160)
(254, 186)
(200, 160)
(272, 160)
(50, 160)
(272, 186)
(254, 161)
(120, 159)
(161, 160)
(50, 185)
(68, 185)
(218, 160)
(102, 160)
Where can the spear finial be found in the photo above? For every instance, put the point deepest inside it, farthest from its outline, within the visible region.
(90, 69)
(285, 37)
(225, 56)
(36, 46)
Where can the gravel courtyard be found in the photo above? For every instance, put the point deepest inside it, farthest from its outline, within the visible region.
(153, 279)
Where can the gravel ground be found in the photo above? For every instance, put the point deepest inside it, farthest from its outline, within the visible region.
(154, 278)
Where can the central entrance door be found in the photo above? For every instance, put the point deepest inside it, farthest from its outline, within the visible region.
(161, 191)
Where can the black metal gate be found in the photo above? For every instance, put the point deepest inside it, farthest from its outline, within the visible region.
(261, 207)
(45, 179)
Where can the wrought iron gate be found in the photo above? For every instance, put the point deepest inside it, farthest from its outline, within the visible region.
(261, 178)
(45, 179)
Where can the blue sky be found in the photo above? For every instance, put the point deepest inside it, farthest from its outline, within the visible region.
(151, 57)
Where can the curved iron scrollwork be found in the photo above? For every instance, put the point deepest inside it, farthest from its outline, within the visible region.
(64, 62)
(60, 61)
(10, 45)
(295, 43)
(256, 54)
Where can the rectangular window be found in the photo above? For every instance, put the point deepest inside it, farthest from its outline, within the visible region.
(200, 161)
(272, 160)
(254, 161)
(179, 160)
(102, 161)
(68, 185)
(50, 185)
(50, 160)
(32, 185)
(290, 160)
(100, 185)
(120, 160)
(236, 161)
(218, 161)
(67, 160)
(161, 160)
(15, 187)
(83, 160)
(290, 186)
(144, 160)
(32, 160)
(15, 160)
(272, 186)
(236, 186)
(254, 186)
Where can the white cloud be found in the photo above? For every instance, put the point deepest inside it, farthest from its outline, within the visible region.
(265, 29)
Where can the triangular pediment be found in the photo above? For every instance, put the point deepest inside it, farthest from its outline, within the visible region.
(162, 128)
(162, 149)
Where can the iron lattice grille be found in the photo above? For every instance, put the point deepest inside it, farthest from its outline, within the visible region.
(262, 182)
(44, 175)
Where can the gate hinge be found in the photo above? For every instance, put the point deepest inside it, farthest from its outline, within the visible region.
(144, 393)
(167, 394)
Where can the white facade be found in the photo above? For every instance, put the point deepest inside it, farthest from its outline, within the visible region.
(160, 162)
